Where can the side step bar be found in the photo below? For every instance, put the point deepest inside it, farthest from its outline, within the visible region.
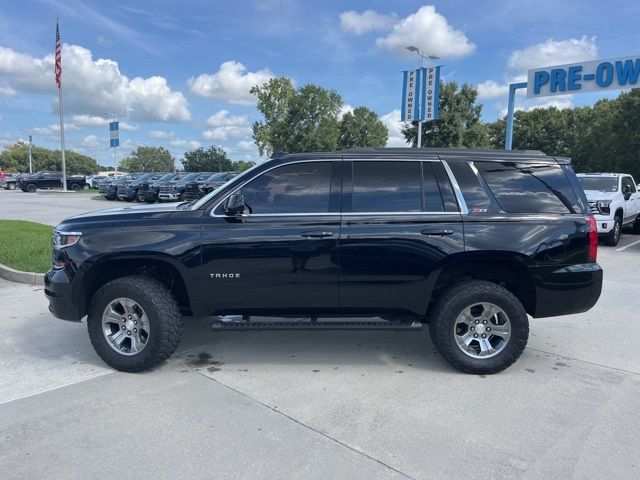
(314, 325)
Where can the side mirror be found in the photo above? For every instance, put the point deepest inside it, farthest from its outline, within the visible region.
(235, 204)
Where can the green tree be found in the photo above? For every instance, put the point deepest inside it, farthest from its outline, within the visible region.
(16, 158)
(148, 159)
(241, 165)
(212, 159)
(302, 120)
(459, 124)
(362, 128)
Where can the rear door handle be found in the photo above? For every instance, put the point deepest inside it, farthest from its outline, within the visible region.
(316, 234)
(436, 233)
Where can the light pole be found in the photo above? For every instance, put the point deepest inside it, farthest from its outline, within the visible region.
(115, 149)
(423, 57)
(28, 132)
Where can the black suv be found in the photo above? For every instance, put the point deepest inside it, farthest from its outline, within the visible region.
(176, 189)
(471, 242)
(128, 190)
(48, 180)
(148, 189)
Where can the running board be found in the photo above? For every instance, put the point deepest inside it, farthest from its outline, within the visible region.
(313, 325)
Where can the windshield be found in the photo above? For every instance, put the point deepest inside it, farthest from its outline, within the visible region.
(601, 184)
(204, 200)
(168, 176)
(216, 177)
(186, 178)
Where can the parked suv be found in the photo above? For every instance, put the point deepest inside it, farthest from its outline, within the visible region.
(10, 181)
(471, 242)
(30, 183)
(128, 190)
(175, 190)
(614, 200)
(148, 189)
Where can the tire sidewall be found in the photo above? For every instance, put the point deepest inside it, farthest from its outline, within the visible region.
(103, 297)
(443, 329)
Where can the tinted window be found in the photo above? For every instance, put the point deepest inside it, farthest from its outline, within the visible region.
(444, 185)
(600, 184)
(627, 185)
(387, 187)
(529, 188)
(295, 188)
(473, 192)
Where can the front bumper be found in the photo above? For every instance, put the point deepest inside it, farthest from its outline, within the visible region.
(169, 195)
(567, 290)
(58, 290)
(604, 223)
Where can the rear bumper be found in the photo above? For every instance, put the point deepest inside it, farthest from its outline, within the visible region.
(57, 289)
(567, 290)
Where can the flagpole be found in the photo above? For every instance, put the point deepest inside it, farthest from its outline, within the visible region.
(64, 163)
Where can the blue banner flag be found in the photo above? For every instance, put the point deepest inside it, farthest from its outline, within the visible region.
(114, 134)
(420, 94)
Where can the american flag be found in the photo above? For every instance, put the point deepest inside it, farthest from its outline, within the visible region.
(58, 55)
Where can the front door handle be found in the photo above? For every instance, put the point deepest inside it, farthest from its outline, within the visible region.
(436, 233)
(316, 234)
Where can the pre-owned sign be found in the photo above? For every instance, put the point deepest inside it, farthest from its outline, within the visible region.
(597, 75)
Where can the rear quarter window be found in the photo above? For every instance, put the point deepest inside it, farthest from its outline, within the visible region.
(530, 188)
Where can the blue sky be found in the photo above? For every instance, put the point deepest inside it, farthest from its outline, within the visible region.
(181, 70)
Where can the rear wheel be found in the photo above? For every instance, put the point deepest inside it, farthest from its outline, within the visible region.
(613, 237)
(636, 225)
(74, 186)
(31, 188)
(134, 323)
(479, 327)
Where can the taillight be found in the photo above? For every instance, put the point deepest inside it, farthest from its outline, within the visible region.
(592, 230)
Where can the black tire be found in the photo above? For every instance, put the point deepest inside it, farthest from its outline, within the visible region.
(636, 226)
(459, 297)
(613, 237)
(74, 186)
(150, 200)
(31, 188)
(11, 186)
(182, 197)
(161, 309)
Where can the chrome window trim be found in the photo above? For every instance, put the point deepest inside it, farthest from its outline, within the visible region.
(454, 184)
(456, 188)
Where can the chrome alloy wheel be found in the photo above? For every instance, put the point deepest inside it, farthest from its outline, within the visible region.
(126, 327)
(482, 330)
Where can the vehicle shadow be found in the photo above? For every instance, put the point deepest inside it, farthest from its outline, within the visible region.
(204, 346)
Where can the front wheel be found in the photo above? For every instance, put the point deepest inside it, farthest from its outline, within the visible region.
(11, 186)
(613, 237)
(479, 327)
(134, 323)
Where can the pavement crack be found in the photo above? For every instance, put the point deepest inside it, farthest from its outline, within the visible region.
(309, 427)
(564, 357)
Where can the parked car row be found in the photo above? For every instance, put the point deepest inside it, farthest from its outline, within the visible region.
(162, 186)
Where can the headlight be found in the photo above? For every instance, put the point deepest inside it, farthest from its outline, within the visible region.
(603, 206)
(65, 239)
(59, 241)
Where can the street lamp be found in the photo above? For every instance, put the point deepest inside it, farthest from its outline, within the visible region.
(28, 132)
(423, 56)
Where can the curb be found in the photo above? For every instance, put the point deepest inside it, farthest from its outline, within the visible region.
(18, 276)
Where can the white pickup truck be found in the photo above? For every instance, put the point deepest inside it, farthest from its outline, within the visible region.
(614, 201)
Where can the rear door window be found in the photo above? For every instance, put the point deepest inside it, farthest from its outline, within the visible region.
(529, 188)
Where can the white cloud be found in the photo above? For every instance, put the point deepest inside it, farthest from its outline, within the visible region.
(54, 128)
(393, 124)
(492, 90)
(224, 126)
(104, 41)
(246, 146)
(160, 134)
(89, 120)
(367, 21)
(230, 84)
(430, 32)
(344, 109)
(92, 87)
(7, 90)
(552, 52)
(91, 141)
(531, 104)
(189, 144)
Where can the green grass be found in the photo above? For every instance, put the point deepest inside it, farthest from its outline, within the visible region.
(25, 246)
